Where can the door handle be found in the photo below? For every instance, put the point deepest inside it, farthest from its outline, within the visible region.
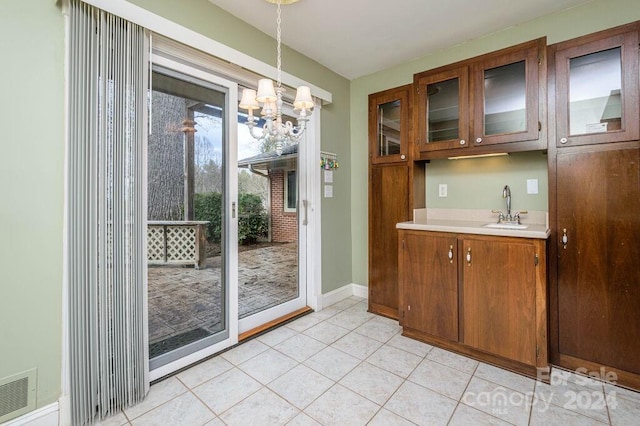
(565, 238)
(233, 210)
(305, 220)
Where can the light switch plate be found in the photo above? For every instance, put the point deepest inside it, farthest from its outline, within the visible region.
(442, 190)
(328, 191)
(532, 186)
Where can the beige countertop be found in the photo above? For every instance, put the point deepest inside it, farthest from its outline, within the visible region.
(464, 221)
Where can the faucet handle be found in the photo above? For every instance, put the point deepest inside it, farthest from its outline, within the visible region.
(516, 216)
(522, 212)
(500, 215)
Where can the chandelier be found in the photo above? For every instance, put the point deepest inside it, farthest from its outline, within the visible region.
(274, 131)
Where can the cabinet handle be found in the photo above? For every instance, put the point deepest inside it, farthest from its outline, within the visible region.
(462, 141)
(478, 140)
(450, 254)
(469, 256)
(402, 157)
(564, 140)
(565, 239)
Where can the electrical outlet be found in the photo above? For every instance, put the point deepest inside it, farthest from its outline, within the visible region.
(442, 190)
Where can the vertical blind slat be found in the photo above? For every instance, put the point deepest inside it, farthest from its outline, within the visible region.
(107, 100)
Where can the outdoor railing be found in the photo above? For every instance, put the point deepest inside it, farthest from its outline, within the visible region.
(176, 242)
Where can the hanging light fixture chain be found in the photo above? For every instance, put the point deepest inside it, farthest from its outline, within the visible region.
(279, 41)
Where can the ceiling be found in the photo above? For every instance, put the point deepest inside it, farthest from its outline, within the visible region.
(359, 37)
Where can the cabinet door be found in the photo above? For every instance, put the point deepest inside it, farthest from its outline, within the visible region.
(388, 205)
(597, 90)
(442, 106)
(389, 113)
(598, 282)
(429, 284)
(505, 92)
(499, 302)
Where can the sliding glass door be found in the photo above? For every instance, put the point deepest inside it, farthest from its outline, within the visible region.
(191, 230)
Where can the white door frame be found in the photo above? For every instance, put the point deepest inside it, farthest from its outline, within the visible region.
(231, 223)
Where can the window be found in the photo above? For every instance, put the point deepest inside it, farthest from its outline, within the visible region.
(290, 191)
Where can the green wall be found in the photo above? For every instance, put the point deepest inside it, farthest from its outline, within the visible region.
(31, 194)
(477, 183)
(591, 17)
(204, 17)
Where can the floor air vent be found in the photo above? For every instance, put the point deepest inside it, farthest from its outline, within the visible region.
(17, 395)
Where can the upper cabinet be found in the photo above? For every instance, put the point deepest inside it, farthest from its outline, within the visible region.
(492, 99)
(596, 88)
(389, 113)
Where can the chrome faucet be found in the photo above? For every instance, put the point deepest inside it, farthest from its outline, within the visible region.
(506, 193)
(508, 217)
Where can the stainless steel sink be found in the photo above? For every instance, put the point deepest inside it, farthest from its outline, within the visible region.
(506, 226)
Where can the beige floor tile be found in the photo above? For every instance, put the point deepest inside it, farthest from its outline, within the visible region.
(440, 378)
(117, 419)
(326, 332)
(387, 418)
(185, 409)
(276, 336)
(268, 366)
(372, 382)
(244, 351)
(158, 395)
(303, 420)
(621, 392)
(339, 406)
(453, 360)
(624, 412)
(465, 416)
(303, 323)
(301, 386)
(357, 345)
(410, 345)
(204, 371)
(332, 363)
(379, 328)
(421, 405)
(554, 415)
(350, 318)
(226, 390)
(262, 408)
(498, 401)
(300, 347)
(505, 378)
(586, 400)
(395, 360)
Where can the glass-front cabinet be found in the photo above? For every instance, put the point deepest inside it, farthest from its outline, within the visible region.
(389, 113)
(505, 95)
(490, 99)
(443, 109)
(597, 90)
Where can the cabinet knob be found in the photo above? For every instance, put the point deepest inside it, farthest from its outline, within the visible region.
(564, 140)
(462, 141)
(402, 157)
(478, 140)
(469, 256)
(450, 254)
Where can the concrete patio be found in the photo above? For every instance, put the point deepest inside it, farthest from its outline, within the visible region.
(185, 304)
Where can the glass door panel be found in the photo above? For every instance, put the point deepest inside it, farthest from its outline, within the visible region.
(389, 128)
(595, 89)
(269, 284)
(505, 99)
(187, 278)
(443, 110)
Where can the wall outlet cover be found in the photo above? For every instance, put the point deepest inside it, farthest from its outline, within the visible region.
(442, 190)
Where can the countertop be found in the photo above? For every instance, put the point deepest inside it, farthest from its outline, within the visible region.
(462, 221)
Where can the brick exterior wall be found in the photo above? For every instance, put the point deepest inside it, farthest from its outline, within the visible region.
(284, 225)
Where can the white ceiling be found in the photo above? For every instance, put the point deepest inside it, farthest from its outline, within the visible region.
(360, 37)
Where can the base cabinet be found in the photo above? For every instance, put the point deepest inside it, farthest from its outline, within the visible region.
(483, 296)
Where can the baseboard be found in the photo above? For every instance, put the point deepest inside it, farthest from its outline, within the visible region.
(45, 416)
(344, 292)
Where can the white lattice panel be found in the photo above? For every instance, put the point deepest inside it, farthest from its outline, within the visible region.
(155, 243)
(181, 244)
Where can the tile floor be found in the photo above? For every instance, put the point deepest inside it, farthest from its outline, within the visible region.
(344, 366)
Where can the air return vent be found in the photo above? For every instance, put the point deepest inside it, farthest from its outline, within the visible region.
(17, 394)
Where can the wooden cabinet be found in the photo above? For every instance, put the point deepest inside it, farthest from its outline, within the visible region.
(467, 107)
(389, 172)
(389, 125)
(482, 296)
(596, 80)
(594, 169)
(499, 296)
(429, 277)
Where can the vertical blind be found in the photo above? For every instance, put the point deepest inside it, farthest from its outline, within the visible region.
(108, 86)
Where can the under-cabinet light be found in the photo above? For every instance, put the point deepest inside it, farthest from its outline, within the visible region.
(495, 154)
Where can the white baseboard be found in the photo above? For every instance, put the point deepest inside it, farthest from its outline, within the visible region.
(45, 416)
(344, 292)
